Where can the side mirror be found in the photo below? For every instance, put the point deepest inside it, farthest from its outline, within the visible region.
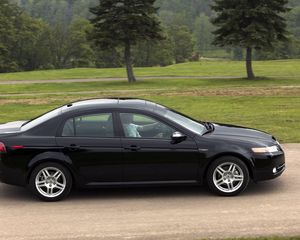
(177, 137)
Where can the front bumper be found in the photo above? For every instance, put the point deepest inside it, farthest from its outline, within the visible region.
(268, 166)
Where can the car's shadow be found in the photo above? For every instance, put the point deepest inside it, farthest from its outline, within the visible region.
(11, 193)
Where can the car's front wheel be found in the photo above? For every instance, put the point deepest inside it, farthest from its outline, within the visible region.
(50, 181)
(228, 176)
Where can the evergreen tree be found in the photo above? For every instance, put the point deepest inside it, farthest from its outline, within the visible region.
(250, 24)
(125, 23)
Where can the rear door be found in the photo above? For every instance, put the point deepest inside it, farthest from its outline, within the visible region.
(91, 142)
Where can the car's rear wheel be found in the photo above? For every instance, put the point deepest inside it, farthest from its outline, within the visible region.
(228, 176)
(50, 181)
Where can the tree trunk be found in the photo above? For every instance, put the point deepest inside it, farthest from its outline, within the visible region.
(250, 73)
(148, 54)
(128, 63)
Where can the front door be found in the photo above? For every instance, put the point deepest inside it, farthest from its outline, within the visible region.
(150, 156)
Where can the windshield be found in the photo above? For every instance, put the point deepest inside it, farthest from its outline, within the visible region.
(43, 118)
(186, 122)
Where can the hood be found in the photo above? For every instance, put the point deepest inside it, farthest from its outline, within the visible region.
(11, 127)
(241, 133)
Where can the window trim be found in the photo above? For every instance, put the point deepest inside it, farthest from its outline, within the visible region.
(86, 113)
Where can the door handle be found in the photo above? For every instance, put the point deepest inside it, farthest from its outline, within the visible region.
(133, 148)
(73, 147)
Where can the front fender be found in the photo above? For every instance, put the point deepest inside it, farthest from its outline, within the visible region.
(227, 150)
(233, 150)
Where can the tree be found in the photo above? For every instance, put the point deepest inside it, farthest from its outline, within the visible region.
(108, 58)
(250, 24)
(125, 23)
(203, 33)
(183, 43)
(70, 45)
(294, 21)
(31, 49)
(8, 34)
(23, 40)
(283, 50)
(149, 53)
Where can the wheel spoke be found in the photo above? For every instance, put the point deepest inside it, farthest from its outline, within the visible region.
(219, 182)
(220, 170)
(46, 173)
(231, 167)
(57, 175)
(238, 178)
(230, 186)
(60, 185)
(41, 183)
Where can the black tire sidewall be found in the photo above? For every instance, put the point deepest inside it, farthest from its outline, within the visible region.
(62, 168)
(217, 162)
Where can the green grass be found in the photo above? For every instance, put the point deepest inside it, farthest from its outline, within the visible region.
(287, 68)
(162, 84)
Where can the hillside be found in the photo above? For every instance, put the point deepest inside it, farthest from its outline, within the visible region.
(194, 14)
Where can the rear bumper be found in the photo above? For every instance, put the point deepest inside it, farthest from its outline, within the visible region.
(11, 176)
(268, 166)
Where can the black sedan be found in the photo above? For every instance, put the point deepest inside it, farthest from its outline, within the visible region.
(117, 142)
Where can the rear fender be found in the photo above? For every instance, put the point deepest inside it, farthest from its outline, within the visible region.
(57, 157)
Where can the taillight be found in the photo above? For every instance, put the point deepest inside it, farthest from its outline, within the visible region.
(2, 148)
(15, 147)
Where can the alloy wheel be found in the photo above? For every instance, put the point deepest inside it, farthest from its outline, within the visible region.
(50, 182)
(228, 177)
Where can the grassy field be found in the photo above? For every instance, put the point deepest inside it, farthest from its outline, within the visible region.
(283, 68)
(271, 103)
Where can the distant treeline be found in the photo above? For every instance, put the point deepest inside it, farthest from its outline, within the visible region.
(39, 34)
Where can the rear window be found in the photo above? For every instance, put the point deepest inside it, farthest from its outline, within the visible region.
(95, 125)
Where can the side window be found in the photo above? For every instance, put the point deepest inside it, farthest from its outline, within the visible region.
(142, 126)
(95, 125)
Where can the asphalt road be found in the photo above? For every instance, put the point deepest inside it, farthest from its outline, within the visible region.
(266, 208)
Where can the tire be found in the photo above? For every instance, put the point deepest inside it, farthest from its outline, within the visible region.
(227, 176)
(50, 182)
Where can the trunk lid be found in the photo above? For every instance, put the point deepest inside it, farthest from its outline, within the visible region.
(11, 127)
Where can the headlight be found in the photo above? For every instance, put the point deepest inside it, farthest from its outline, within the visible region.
(271, 149)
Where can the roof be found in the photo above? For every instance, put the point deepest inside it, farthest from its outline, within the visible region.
(131, 103)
